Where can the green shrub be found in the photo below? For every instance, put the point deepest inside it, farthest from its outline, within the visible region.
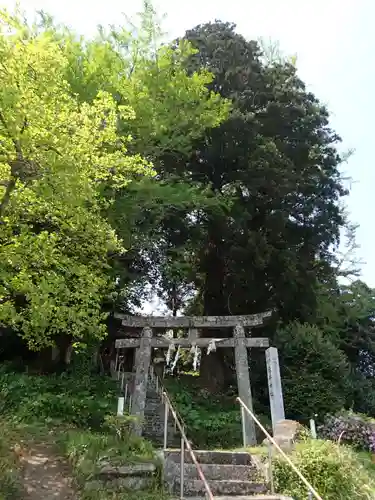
(315, 373)
(212, 421)
(350, 428)
(336, 472)
(121, 425)
(80, 401)
(363, 394)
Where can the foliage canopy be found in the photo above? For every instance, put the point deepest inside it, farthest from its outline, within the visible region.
(69, 143)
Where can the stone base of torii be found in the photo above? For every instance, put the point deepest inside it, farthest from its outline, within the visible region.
(146, 342)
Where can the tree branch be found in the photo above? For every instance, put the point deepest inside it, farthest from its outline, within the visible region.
(5, 299)
(24, 125)
(6, 198)
(16, 143)
(46, 147)
(12, 182)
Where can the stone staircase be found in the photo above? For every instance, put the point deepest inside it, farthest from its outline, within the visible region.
(230, 475)
(153, 424)
(153, 429)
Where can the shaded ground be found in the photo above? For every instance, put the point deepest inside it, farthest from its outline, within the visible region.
(45, 475)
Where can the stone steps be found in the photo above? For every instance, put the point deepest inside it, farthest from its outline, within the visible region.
(154, 421)
(230, 475)
(226, 487)
(119, 477)
(214, 472)
(214, 457)
(243, 497)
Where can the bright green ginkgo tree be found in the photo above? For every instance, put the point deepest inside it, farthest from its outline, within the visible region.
(80, 121)
(56, 155)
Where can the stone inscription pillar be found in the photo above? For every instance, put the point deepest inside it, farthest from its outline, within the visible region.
(274, 386)
(243, 383)
(143, 359)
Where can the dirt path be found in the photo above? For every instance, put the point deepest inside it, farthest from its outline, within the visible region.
(45, 475)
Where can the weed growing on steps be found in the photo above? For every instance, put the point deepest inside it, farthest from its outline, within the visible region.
(87, 450)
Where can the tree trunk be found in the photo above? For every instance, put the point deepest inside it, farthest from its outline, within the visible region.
(213, 367)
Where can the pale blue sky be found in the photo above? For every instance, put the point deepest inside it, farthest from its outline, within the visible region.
(335, 49)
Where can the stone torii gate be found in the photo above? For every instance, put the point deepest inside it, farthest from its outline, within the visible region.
(146, 342)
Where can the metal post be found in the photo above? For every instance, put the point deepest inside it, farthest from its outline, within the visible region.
(166, 413)
(157, 384)
(130, 403)
(116, 362)
(122, 380)
(120, 406)
(126, 392)
(243, 416)
(272, 486)
(182, 466)
(310, 495)
(313, 428)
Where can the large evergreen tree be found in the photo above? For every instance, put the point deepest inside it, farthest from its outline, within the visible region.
(273, 167)
(275, 160)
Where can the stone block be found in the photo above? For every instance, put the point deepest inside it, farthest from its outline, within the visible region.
(212, 457)
(193, 487)
(285, 434)
(216, 472)
(139, 476)
(144, 469)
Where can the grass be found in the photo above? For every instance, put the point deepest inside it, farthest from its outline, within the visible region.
(76, 414)
(367, 461)
(213, 421)
(10, 484)
(105, 494)
(258, 450)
